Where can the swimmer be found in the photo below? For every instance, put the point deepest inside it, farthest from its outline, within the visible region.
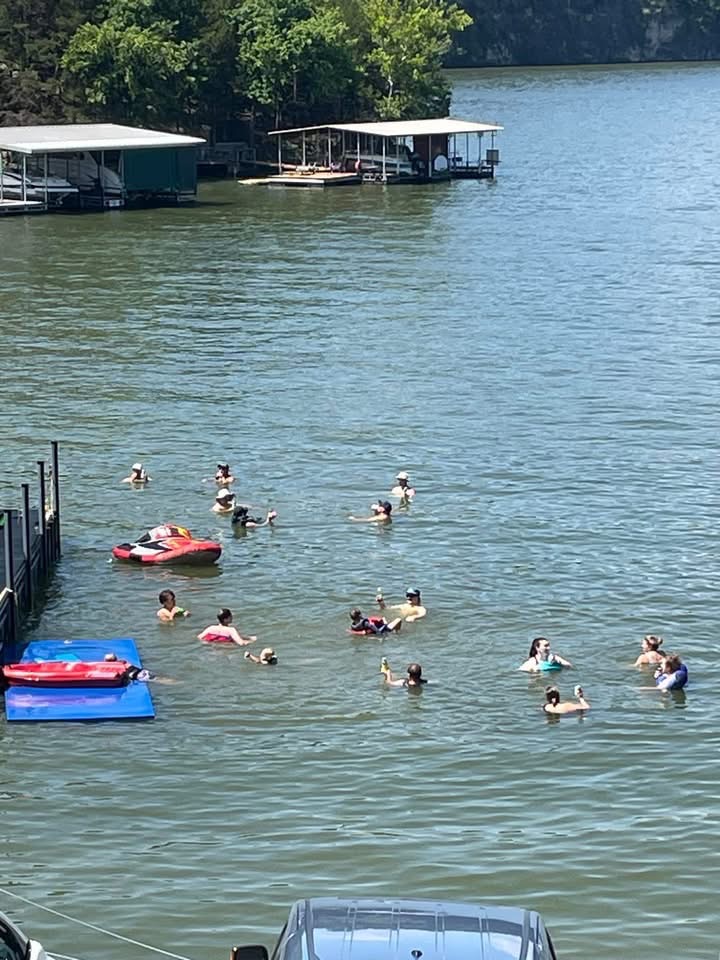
(224, 501)
(402, 488)
(381, 513)
(138, 474)
(414, 675)
(240, 518)
(372, 626)
(541, 659)
(163, 532)
(410, 611)
(223, 475)
(672, 674)
(224, 632)
(132, 672)
(267, 657)
(553, 704)
(169, 609)
(650, 650)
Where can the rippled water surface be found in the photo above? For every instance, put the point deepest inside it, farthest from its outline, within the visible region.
(541, 354)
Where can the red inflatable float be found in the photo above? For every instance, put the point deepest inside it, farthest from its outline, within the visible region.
(68, 673)
(168, 544)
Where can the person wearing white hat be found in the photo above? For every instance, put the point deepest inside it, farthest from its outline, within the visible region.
(224, 501)
(138, 474)
(402, 488)
(268, 657)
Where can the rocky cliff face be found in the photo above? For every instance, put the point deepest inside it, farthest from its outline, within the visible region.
(532, 32)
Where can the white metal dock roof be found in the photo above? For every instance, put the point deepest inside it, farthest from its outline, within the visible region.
(440, 126)
(69, 137)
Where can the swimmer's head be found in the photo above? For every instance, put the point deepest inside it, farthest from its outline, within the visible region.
(225, 617)
(552, 695)
(413, 595)
(267, 655)
(166, 598)
(355, 615)
(223, 466)
(671, 662)
(651, 642)
(539, 646)
(224, 495)
(414, 671)
(137, 467)
(110, 657)
(402, 476)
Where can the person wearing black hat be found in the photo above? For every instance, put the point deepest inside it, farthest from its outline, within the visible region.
(223, 475)
(382, 511)
(410, 611)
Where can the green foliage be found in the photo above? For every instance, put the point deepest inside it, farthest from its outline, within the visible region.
(407, 41)
(136, 64)
(291, 51)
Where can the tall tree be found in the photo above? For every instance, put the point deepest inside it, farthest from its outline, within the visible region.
(406, 43)
(140, 62)
(292, 52)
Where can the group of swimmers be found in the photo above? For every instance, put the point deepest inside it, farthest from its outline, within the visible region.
(670, 674)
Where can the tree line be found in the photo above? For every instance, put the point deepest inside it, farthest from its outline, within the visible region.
(199, 64)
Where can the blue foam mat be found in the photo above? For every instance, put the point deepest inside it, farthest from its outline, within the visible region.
(80, 703)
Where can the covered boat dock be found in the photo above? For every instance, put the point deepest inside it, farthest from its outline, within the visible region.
(95, 165)
(396, 151)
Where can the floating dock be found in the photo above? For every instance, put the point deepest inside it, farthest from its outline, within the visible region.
(39, 704)
(317, 179)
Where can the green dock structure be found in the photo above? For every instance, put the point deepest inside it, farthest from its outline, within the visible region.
(94, 166)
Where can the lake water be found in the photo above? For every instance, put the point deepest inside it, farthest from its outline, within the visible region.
(541, 353)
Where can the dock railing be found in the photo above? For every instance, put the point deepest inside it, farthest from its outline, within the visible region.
(29, 550)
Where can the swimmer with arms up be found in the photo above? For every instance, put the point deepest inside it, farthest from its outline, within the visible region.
(553, 703)
(241, 518)
(410, 611)
(414, 676)
(650, 650)
(381, 513)
(138, 474)
(168, 608)
(224, 632)
(223, 475)
(540, 659)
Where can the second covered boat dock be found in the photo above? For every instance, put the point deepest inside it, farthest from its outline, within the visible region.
(402, 151)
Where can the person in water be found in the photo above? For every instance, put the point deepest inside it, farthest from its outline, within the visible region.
(224, 501)
(169, 610)
(541, 659)
(402, 488)
(138, 474)
(372, 626)
(132, 672)
(414, 676)
(267, 657)
(223, 475)
(240, 518)
(382, 511)
(409, 611)
(553, 703)
(163, 532)
(224, 632)
(672, 674)
(650, 650)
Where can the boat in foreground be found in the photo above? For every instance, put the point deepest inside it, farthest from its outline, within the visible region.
(330, 928)
(14, 945)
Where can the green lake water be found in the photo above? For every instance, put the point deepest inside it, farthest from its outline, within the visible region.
(541, 353)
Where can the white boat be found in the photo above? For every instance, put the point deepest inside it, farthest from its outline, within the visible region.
(15, 945)
(36, 187)
(86, 173)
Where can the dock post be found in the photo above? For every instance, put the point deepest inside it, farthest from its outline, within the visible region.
(10, 575)
(27, 544)
(41, 520)
(56, 498)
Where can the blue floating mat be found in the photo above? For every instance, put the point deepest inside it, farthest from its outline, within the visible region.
(80, 703)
